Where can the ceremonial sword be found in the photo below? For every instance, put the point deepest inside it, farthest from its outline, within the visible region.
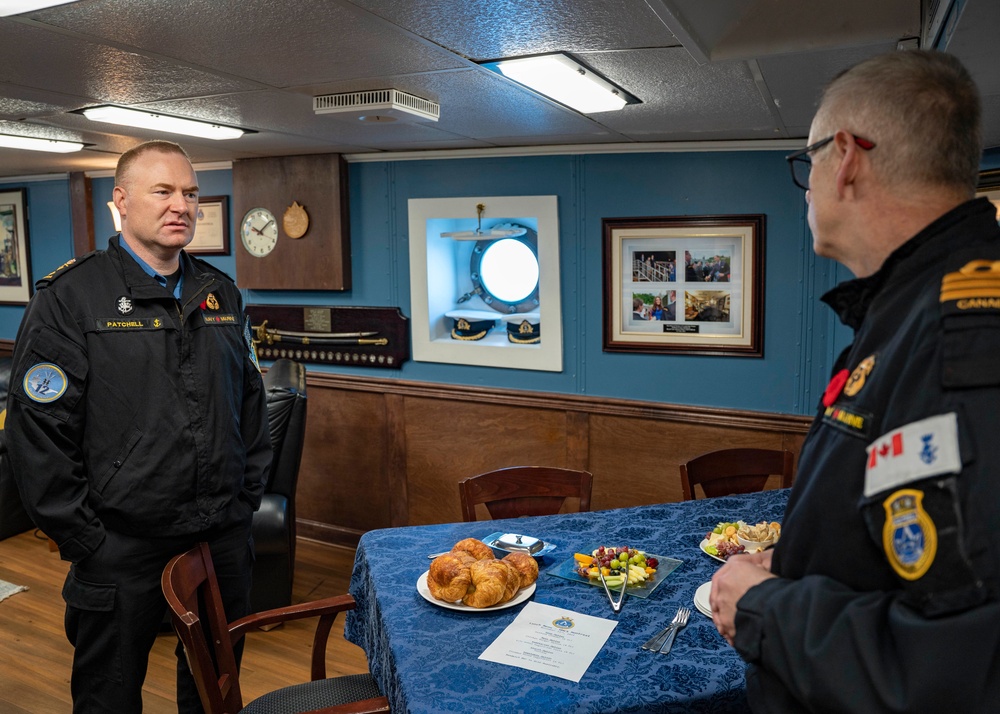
(270, 335)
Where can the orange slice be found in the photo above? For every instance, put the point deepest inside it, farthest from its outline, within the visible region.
(583, 558)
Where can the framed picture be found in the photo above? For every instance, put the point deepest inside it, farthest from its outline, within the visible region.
(684, 285)
(211, 232)
(989, 186)
(15, 262)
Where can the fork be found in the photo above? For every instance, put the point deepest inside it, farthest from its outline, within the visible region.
(684, 613)
(656, 641)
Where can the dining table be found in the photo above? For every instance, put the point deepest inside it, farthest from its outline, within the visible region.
(426, 656)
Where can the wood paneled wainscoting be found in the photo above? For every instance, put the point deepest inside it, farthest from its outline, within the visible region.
(382, 453)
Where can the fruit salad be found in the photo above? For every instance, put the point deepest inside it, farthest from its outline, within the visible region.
(618, 563)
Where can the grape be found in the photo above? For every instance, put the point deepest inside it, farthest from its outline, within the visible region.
(727, 548)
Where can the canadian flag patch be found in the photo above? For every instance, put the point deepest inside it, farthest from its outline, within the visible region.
(918, 450)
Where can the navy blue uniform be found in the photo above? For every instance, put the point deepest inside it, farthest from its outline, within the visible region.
(137, 427)
(889, 591)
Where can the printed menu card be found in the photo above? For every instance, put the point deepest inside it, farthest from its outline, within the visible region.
(551, 640)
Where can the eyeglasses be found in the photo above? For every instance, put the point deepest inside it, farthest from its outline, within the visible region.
(801, 163)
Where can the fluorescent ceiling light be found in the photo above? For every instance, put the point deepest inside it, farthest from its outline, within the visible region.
(566, 81)
(16, 7)
(159, 122)
(34, 144)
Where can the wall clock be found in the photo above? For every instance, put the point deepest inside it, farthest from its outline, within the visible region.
(259, 232)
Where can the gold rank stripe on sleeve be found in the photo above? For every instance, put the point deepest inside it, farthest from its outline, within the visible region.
(976, 280)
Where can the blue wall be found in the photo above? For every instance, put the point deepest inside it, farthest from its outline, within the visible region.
(801, 336)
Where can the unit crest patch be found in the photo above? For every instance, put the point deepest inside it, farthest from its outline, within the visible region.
(909, 536)
(44, 383)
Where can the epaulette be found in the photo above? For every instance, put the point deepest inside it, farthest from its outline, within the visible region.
(970, 329)
(973, 288)
(62, 270)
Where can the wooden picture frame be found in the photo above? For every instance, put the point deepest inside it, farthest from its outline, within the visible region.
(15, 257)
(211, 233)
(684, 285)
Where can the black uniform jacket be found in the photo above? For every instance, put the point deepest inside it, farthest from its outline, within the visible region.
(133, 411)
(888, 596)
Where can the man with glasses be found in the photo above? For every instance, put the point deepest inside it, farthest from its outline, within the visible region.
(883, 593)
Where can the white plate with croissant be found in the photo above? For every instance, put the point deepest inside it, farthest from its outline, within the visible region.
(471, 579)
(522, 595)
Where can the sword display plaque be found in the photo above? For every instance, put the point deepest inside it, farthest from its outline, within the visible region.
(346, 336)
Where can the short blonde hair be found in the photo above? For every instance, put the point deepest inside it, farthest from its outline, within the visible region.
(126, 160)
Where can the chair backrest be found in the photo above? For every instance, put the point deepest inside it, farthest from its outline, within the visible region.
(192, 593)
(285, 384)
(524, 491)
(729, 471)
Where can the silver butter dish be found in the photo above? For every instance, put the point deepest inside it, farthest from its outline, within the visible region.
(518, 543)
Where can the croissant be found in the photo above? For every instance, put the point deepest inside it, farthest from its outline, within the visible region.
(448, 578)
(489, 583)
(526, 566)
(513, 581)
(478, 549)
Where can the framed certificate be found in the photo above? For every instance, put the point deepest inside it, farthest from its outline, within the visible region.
(211, 233)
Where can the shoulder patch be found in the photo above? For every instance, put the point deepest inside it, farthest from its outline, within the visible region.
(45, 382)
(912, 452)
(909, 536)
(63, 269)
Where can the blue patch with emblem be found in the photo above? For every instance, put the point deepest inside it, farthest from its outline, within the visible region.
(909, 536)
(44, 383)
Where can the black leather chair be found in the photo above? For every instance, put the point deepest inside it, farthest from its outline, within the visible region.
(13, 518)
(274, 523)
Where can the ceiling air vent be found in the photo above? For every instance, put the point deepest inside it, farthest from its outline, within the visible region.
(377, 105)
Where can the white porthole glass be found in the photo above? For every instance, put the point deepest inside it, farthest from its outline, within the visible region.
(509, 270)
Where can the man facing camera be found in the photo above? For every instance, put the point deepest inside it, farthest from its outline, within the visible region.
(883, 593)
(137, 427)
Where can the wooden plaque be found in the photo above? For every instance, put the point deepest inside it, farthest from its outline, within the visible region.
(305, 333)
(321, 258)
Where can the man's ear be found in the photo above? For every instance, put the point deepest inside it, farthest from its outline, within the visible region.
(118, 196)
(851, 162)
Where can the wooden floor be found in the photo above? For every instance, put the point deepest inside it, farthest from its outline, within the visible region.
(35, 658)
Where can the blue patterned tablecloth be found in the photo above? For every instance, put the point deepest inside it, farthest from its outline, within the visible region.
(425, 658)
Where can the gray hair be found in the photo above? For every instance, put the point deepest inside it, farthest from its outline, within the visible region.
(922, 110)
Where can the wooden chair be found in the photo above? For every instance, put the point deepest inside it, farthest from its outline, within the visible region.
(729, 471)
(524, 491)
(192, 593)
